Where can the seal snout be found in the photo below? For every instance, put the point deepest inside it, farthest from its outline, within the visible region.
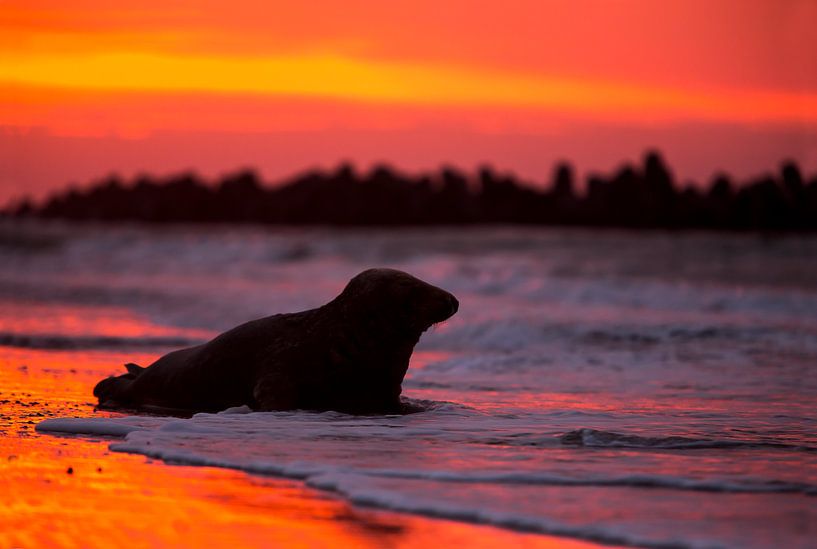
(447, 306)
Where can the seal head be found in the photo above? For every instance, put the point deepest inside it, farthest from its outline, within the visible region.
(402, 302)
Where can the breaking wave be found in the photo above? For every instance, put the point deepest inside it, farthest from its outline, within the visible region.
(605, 439)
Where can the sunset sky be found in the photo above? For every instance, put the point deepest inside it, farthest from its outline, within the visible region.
(89, 87)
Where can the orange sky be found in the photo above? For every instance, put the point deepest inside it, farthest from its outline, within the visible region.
(87, 87)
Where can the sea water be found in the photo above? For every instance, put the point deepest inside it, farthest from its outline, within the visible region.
(645, 389)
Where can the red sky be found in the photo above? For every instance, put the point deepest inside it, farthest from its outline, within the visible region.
(90, 87)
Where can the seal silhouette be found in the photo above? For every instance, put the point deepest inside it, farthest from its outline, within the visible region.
(349, 355)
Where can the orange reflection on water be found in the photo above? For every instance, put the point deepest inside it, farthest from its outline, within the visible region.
(421, 359)
(110, 321)
(73, 492)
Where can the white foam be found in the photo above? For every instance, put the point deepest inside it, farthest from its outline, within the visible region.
(478, 448)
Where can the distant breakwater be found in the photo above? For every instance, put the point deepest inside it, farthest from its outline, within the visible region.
(635, 196)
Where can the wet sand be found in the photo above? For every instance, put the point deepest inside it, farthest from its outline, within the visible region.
(74, 492)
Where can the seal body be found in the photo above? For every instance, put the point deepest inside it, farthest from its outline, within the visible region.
(349, 355)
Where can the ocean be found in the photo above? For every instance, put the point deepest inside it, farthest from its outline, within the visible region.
(647, 389)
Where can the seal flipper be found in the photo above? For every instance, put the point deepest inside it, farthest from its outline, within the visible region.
(112, 391)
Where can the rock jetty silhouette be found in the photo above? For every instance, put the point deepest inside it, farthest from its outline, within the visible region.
(635, 196)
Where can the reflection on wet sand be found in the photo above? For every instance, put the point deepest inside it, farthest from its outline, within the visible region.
(61, 492)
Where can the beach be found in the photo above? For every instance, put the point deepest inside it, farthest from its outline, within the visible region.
(110, 499)
(635, 389)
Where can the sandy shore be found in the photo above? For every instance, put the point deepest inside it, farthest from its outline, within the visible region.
(74, 492)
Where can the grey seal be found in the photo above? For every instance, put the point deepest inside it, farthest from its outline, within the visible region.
(350, 355)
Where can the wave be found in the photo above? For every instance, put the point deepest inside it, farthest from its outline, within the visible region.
(595, 438)
(59, 342)
(364, 460)
(84, 294)
(356, 490)
(520, 330)
(158, 448)
(361, 487)
(634, 481)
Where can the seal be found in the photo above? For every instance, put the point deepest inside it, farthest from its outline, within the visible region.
(349, 355)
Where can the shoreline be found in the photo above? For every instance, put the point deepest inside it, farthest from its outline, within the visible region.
(75, 492)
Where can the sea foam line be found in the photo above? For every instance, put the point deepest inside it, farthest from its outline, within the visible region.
(141, 428)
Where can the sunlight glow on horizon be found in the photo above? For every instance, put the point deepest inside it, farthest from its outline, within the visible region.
(342, 78)
(417, 82)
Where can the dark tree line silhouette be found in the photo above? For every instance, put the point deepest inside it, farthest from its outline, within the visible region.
(643, 196)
